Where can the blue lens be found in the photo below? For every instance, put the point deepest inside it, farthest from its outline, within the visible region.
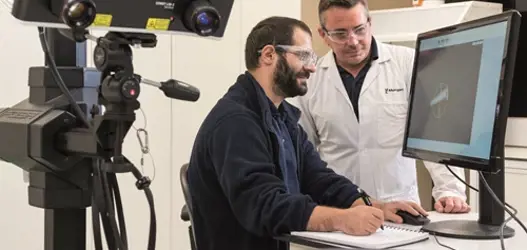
(204, 19)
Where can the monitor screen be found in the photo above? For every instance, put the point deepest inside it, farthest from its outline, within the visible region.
(455, 89)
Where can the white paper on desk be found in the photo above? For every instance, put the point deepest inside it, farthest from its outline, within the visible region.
(382, 239)
(403, 226)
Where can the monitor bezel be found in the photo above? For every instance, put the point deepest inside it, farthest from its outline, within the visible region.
(496, 153)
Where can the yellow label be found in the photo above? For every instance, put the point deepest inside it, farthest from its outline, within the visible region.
(157, 24)
(102, 20)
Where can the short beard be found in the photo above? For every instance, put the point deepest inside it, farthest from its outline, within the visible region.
(285, 83)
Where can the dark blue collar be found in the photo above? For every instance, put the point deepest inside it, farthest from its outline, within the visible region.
(374, 50)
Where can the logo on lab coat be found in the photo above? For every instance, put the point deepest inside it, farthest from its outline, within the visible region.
(389, 90)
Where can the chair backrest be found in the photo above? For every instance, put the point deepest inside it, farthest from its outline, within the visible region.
(188, 201)
(184, 186)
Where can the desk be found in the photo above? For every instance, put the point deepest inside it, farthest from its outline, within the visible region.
(518, 242)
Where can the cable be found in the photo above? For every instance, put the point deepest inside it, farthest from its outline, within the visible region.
(513, 215)
(110, 212)
(63, 88)
(119, 206)
(109, 186)
(53, 66)
(468, 185)
(145, 149)
(502, 228)
(441, 244)
(495, 197)
(106, 190)
(80, 115)
(143, 183)
(99, 209)
(491, 192)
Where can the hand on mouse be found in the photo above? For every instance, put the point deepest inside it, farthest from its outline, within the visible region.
(390, 209)
(451, 204)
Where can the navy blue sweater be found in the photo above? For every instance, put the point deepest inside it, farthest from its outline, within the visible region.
(239, 197)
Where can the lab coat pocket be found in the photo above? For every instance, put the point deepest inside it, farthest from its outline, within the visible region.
(391, 120)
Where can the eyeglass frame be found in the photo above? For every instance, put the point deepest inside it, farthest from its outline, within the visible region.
(331, 33)
(307, 60)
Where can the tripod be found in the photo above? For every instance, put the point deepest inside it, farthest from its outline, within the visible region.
(79, 171)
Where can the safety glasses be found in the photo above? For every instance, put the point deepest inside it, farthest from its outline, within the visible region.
(306, 55)
(341, 36)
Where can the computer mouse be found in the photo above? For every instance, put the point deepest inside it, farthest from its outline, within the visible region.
(411, 219)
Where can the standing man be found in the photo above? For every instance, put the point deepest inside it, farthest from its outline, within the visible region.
(355, 110)
(253, 174)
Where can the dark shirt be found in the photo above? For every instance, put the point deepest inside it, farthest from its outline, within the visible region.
(240, 196)
(287, 156)
(353, 84)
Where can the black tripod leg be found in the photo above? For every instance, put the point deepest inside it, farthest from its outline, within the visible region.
(65, 229)
(64, 197)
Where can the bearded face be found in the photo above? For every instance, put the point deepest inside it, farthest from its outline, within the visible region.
(289, 82)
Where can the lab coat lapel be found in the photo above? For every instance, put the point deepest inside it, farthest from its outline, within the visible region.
(330, 65)
(375, 68)
(371, 76)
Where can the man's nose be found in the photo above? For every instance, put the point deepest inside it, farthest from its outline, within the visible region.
(311, 68)
(352, 40)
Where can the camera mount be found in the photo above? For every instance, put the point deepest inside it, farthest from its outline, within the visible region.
(69, 161)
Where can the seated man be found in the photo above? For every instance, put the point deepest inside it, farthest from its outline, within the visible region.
(253, 174)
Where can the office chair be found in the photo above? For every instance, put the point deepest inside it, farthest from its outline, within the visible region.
(186, 211)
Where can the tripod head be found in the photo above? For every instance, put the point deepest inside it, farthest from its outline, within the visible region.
(42, 124)
(117, 92)
(69, 133)
(113, 57)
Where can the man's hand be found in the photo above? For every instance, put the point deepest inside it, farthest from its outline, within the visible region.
(390, 208)
(451, 204)
(360, 220)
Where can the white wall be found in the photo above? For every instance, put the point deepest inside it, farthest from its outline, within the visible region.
(210, 65)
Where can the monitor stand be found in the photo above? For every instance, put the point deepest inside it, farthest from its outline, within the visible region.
(491, 214)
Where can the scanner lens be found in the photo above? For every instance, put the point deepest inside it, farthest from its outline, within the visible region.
(206, 22)
(202, 18)
(79, 13)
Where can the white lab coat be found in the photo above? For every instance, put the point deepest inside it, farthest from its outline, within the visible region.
(369, 152)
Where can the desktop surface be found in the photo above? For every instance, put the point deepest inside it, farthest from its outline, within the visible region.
(517, 242)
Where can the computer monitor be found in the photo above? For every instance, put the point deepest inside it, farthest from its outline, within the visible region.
(458, 109)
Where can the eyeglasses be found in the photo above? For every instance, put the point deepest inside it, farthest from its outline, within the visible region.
(306, 55)
(342, 36)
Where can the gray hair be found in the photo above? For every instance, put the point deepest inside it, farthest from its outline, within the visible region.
(325, 5)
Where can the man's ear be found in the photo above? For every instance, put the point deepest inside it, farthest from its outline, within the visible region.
(267, 56)
(323, 35)
(321, 32)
